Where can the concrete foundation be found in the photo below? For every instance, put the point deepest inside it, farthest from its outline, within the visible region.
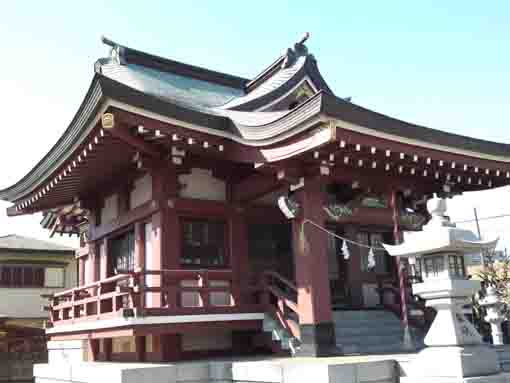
(295, 370)
(352, 369)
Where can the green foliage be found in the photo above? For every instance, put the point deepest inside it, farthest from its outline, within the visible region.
(497, 275)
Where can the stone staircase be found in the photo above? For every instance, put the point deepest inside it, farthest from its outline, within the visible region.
(370, 332)
(357, 332)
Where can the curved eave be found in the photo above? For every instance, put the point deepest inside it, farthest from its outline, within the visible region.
(338, 108)
(306, 69)
(72, 137)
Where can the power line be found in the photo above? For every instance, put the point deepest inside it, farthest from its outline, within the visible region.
(484, 218)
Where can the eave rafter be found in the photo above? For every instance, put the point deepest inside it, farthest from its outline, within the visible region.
(174, 140)
(402, 160)
(63, 176)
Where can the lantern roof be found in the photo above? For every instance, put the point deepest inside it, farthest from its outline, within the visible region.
(439, 235)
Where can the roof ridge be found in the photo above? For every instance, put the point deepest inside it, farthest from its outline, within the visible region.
(122, 54)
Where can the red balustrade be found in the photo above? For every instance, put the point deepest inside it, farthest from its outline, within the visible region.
(281, 300)
(149, 292)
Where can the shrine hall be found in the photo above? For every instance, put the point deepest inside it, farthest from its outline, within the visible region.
(222, 216)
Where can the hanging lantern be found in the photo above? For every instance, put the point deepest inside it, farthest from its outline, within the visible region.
(345, 250)
(371, 259)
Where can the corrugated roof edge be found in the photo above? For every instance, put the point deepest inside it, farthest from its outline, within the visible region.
(29, 244)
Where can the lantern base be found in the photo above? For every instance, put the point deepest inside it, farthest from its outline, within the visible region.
(455, 363)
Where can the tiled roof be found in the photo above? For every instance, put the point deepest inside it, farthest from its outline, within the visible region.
(17, 242)
(185, 91)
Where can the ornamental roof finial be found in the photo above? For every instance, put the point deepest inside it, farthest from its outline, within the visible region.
(300, 49)
(305, 37)
(116, 52)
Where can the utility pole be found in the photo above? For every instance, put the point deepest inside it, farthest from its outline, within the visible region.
(479, 237)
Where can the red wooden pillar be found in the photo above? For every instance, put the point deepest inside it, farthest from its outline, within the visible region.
(158, 252)
(103, 260)
(81, 271)
(165, 234)
(93, 349)
(401, 269)
(238, 236)
(139, 245)
(91, 261)
(108, 348)
(311, 263)
(354, 275)
(166, 347)
(140, 348)
(139, 264)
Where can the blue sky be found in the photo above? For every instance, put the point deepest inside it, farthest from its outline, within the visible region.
(440, 64)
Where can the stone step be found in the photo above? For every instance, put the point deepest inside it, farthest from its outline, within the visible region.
(372, 349)
(368, 332)
(366, 322)
(370, 339)
(362, 314)
(372, 330)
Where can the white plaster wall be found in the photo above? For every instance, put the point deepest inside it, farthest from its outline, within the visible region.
(142, 191)
(110, 209)
(201, 184)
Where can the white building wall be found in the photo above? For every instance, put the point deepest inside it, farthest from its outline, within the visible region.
(26, 302)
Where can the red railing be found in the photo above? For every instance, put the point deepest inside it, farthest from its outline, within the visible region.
(281, 300)
(390, 299)
(149, 292)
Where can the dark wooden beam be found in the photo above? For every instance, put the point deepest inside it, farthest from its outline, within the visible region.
(255, 187)
(121, 132)
(126, 219)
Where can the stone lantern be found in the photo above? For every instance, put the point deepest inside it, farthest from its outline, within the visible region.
(494, 306)
(455, 349)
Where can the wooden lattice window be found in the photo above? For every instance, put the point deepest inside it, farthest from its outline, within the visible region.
(203, 243)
